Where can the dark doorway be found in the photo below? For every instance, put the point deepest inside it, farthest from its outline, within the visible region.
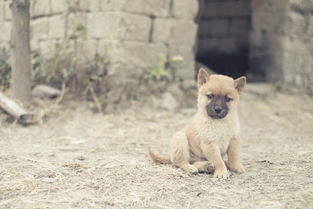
(223, 36)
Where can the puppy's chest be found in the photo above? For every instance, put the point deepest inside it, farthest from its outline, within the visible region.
(221, 132)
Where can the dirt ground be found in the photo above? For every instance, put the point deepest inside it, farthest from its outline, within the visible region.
(79, 159)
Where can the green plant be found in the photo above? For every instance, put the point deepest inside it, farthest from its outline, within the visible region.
(5, 69)
(55, 69)
(175, 64)
(159, 72)
(165, 68)
(79, 32)
(63, 63)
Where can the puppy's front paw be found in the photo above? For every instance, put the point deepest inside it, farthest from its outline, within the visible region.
(190, 169)
(204, 166)
(236, 167)
(221, 173)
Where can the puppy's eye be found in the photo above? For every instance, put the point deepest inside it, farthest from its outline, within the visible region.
(228, 99)
(210, 96)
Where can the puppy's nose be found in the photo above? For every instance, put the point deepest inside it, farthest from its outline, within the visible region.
(218, 110)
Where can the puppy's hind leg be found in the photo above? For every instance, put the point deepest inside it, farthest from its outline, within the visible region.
(179, 150)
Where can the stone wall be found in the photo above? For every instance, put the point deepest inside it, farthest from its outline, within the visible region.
(281, 45)
(132, 34)
(223, 39)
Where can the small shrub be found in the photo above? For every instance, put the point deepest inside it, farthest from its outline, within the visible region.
(165, 68)
(5, 69)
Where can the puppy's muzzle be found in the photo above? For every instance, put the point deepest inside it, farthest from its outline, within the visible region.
(217, 112)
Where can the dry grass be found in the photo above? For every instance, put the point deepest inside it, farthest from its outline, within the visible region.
(85, 160)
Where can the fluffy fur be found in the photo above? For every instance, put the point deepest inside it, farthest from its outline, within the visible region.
(205, 141)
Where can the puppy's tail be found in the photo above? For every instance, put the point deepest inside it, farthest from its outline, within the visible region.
(159, 159)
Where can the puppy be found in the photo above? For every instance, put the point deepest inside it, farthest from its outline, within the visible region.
(213, 132)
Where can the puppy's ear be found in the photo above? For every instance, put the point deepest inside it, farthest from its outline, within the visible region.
(203, 77)
(240, 83)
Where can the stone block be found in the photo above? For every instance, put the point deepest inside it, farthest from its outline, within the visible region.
(105, 46)
(210, 9)
(118, 25)
(224, 45)
(5, 34)
(39, 28)
(162, 30)
(234, 8)
(94, 6)
(34, 45)
(7, 10)
(302, 5)
(58, 6)
(187, 9)
(205, 29)
(46, 47)
(202, 31)
(133, 59)
(57, 26)
(57, 48)
(185, 68)
(230, 45)
(269, 15)
(77, 25)
(134, 27)
(97, 25)
(266, 56)
(109, 6)
(264, 21)
(159, 8)
(87, 50)
(256, 39)
(84, 5)
(40, 8)
(2, 10)
(214, 27)
(72, 4)
(173, 31)
(184, 33)
(217, 27)
(295, 24)
(239, 27)
(208, 44)
(280, 40)
(297, 60)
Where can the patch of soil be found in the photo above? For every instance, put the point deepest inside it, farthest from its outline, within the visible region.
(85, 160)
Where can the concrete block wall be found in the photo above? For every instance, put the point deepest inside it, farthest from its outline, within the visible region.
(133, 34)
(223, 31)
(52, 21)
(281, 42)
(222, 22)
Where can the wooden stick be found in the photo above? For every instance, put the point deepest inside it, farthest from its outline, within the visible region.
(95, 98)
(45, 91)
(16, 111)
(11, 107)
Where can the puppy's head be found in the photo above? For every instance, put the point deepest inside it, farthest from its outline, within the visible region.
(218, 94)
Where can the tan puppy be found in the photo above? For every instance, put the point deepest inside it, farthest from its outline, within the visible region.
(213, 132)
